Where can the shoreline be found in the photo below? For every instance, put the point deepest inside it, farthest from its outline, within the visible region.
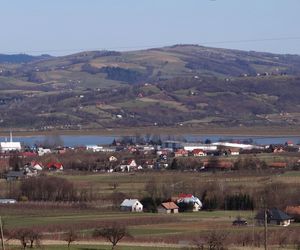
(175, 131)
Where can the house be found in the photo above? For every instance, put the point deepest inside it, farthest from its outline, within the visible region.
(94, 148)
(43, 151)
(189, 198)
(293, 211)
(289, 144)
(181, 152)
(128, 165)
(14, 175)
(36, 165)
(168, 207)
(275, 217)
(278, 150)
(8, 201)
(112, 159)
(56, 166)
(131, 205)
(234, 151)
(278, 165)
(199, 153)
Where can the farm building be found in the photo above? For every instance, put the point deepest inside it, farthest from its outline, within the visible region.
(131, 205)
(274, 216)
(168, 207)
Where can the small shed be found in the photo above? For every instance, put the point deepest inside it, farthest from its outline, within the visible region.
(168, 207)
(131, 205)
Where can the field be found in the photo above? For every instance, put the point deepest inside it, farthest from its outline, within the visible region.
(147, 230)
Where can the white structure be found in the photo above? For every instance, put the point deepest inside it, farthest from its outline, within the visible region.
(8, 201)
(94, 148)
(128, 165)
(43, 151)
(10, 146)
(174, 145)
(131, 205)
(189, 198)
(236, 145)
(204, 147)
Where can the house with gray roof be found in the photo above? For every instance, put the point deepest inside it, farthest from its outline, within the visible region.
(131, 205)
(275, 217)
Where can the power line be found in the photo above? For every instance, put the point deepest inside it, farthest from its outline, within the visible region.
(154, 45)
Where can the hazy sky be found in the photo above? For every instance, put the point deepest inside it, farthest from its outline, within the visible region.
(65, 26)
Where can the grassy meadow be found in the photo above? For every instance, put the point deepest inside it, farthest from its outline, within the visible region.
(166, 231)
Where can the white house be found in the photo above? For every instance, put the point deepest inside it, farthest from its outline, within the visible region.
(8, 201)
(189, 198)
(234, 151)
(128, 165)
(43, 151)
(112, 159)
(131, 205)
(94, 148)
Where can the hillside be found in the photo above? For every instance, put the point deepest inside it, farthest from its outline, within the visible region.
(182, 85)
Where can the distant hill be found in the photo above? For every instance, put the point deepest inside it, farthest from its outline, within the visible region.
(21, 58)
(181, 85)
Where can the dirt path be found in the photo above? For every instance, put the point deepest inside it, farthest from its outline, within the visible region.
(92, 242)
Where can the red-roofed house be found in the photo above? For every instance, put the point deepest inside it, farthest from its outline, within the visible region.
(168, 207)
(189, 198)
(198, 152)
(181, 152)
(234, 151)
(128, 165)
(36, 165)
(278, 165)
(55, 166)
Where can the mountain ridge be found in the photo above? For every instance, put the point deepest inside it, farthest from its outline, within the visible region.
(180, 85)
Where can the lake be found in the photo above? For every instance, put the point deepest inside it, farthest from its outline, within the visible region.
(82, 140)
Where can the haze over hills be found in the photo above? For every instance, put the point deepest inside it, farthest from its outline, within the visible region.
(181, 85)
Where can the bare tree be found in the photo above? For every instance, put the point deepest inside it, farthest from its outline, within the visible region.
(216, 240)
(27, 237)
(34, 236)
(113, 233)
(71, 236)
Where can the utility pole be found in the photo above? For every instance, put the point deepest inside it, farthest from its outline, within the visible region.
(266, 229)
(2, 237)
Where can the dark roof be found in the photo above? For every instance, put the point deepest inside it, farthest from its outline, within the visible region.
(273, 214)
(277, 214)
(12, 174)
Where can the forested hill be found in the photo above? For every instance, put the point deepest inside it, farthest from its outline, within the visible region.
(21, 58)
(181, 85)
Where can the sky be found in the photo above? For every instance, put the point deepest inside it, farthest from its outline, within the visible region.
(60, 27)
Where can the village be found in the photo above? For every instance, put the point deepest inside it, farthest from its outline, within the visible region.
(157, 178)
(126, 155)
